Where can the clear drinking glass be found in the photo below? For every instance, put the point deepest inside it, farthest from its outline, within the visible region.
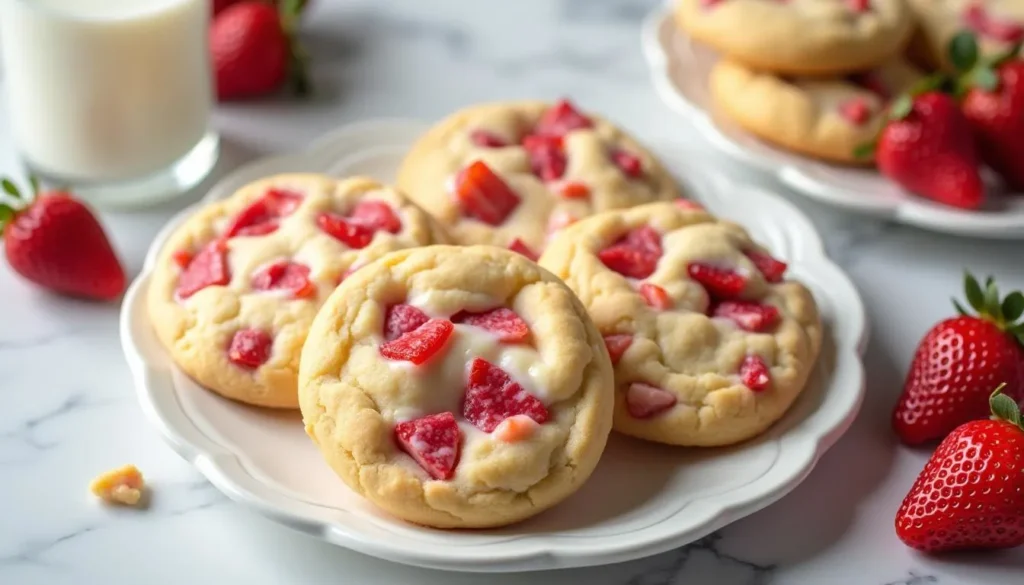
(111, 97)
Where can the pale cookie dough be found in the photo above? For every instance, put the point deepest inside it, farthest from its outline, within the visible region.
(822, 118)
(353, 398)
(429, 171)
(684, 377)
(997, 25)
(800, 37)
(241, 335)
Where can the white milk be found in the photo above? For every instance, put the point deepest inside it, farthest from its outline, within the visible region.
(105, 90)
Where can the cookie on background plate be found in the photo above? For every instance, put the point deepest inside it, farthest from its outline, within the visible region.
(997, 24)
(457, 387)
(800, 37)
(822, 118)
(509, 174)
(237, 285)
(711, 345)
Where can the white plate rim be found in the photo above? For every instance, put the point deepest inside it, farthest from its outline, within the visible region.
(227, 473)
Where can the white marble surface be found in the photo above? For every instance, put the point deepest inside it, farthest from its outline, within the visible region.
(69, 410)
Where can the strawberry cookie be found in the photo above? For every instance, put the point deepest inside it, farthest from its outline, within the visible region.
(710, 343)
(510, 174)
(237, 285)
(457, 387)
(800, 37)
(997, 24)
(823, 118)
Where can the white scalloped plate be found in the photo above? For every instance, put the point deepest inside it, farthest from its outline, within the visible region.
(679, 69)
(642, 500)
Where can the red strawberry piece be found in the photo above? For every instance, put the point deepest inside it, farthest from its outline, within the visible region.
(285, 276)
(628, 163)
(655, 296)
(208, 268)
(560, 220)
(856, 111)
(250, 348)
(252, 52)
(220, 5)
(483, 195)
(710, 3)
(421, 344)
(635, 255)
(646, 401)
(721, 283)
(262, 216)
(980, 21)
(755, 373)
(561, 119)
(181, 258)
(433, 441)
(518, 246)
(773, 270)
(492, 396)
(859, 5)
(376, 215)
(547, 158)
(748, 315)
(617, 345)
(353, 234)
(502, 322)
(402, 319)
(574, 190)
(873, 82)
(644, 238)
(969, 494)
(486, 139)
(927, 148)
(688, 205)
(957, 364)
(55, 241)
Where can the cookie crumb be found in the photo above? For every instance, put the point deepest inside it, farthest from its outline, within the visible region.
(121, 486)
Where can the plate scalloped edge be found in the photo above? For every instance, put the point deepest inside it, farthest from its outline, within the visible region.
(885, 200)
(800, 447)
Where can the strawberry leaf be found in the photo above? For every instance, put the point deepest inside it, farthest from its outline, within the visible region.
(1013, 307)
(1005, 408)
(959, 308)
(900, 107)
(10, 188)
(975, 297)
(33, 182)
(865, 151)
(991, 297)
(6, 213)
(963, 51)
(984, 78)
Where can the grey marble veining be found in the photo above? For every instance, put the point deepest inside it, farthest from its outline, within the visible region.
(70, 411)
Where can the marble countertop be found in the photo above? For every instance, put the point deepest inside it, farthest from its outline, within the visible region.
(70, 411)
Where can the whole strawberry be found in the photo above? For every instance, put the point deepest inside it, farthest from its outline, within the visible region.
(54, 241)
(957, 364)
(254, 50)
(971, 492)
(927, 148)
(993, 102)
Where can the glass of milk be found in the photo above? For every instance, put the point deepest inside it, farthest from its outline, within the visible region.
(111, 98)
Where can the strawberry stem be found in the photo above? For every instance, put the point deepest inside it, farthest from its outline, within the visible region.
(298, 59)
(1005, 313)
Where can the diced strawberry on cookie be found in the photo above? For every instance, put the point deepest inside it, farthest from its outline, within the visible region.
(721, 283)
(644, 238)
(354, 235)
(376, 215)
(856, 111)
(401, 319)
(290, 277)
(483, 195)
(263, 215)
(978, 19)
(492, 396)
(628, 163)
(617, 345)
(250, 348)
(518, 246)
(433, 442)
(688, 205)
(859, 5)
(773, 270)
(748, 315)
(574, 190)
(655, 296)
(561, 119)
(646, 401)
(486, 139)
(182, 258)
(754, 373)
(502, 322)
(207, 268)
(635, 255)
(547, 158)
(421, 344)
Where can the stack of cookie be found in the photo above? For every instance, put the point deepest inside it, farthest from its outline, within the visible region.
(447, 373)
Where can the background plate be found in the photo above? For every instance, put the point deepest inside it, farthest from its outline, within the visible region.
(679, 69)
(643, 499)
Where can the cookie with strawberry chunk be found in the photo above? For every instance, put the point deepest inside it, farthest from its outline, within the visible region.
(997, 24)
(800, 37)
(823, 118)
(237, 285)
(510, 174)
(457, 387)
(710, 341)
